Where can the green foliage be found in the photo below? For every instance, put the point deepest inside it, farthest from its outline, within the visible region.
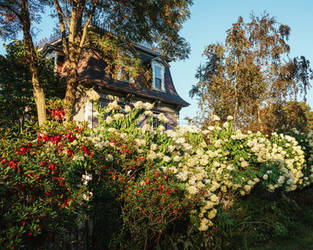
(17, 105)
(144, 188)
(247, 74)
(40, 185)
(262, 219)
(286, 116)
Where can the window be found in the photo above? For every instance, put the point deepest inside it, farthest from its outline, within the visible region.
(158, 76)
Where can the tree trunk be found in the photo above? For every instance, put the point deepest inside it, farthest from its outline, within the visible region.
(39, 95)
(71, 86)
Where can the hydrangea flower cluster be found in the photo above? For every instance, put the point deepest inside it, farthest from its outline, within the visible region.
(213, 164)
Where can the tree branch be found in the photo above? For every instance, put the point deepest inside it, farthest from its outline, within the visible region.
(12, 10)
(62, 27)
(85, 29)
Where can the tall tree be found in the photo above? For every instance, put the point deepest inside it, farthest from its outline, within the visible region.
(248, 73)
(15, 17)
(129, 21)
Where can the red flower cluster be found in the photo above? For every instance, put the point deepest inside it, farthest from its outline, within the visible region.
(24, 149)
(70, 137)
(57, 114)
(85, 149)
(12, 164)
(55, 139)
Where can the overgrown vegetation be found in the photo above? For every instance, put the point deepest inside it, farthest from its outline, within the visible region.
(120, 186)
(17, 105)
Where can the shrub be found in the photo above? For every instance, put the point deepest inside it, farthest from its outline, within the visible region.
(147, 184)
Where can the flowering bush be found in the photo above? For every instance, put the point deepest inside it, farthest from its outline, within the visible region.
(41, 186)
(213, 164)
(159, 177)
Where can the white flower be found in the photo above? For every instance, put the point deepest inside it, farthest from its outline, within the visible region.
(244, 164)
(148, 105)
(138, 105)
(265, 177)
(180, 140)
(229, 118)
(161, 128)
(86, 178)
(225, 125)
(166, 158)
(108, 120)
(118, 116)
(148, 113)
(152, 155)
(112, 130)
(171, 148)
(123, 135)
(173, 170)
(127, 109)
(114, 105)
(210, 128)
(177, 158)
(192, 190)
(215, 118)
(87, 196)
(182, 176)
(162, 118)
(146, 127)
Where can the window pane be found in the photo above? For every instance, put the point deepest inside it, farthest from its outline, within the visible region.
(157, 72)
(157, 83)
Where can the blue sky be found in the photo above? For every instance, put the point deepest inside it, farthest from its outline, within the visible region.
(208, 23)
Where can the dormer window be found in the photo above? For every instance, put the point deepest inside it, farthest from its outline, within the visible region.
(158, 76)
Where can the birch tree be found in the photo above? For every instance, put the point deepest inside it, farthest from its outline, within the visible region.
(249, 73)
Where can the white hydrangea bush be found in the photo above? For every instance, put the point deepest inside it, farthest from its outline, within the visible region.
(213, 164)
(305, 140)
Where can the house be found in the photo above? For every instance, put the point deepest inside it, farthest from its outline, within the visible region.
(161, 90)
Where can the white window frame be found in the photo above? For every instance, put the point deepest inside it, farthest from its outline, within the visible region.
(161, 66)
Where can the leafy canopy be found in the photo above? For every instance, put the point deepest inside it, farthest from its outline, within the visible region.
(249, 73)
(17, 103)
